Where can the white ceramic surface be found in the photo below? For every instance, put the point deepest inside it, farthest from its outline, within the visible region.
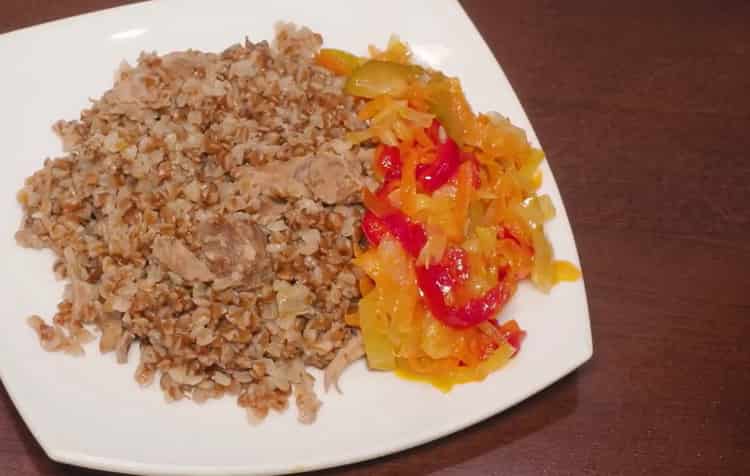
(89, 411)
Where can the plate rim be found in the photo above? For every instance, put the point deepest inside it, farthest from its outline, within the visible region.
(76, 458)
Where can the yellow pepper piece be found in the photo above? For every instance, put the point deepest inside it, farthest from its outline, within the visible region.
(373, 107)
(448, 103)
(376, 78)
(566, 271)
(536, 180)
(338, 61)
(543, 273)
(377, 344)
(396, 51)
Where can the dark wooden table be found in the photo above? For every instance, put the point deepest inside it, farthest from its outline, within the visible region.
(644, 112)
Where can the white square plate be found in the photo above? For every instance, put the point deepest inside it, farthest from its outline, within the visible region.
(89, 411)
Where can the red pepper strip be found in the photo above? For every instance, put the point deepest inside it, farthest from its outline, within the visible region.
(515, 340)
(388, 162)
(373, 227)
(452, 270)
(513, 334)
(502, 273)
(507, 234)
(432, 282)
(456, 263)
(411, 235)
(436, 174)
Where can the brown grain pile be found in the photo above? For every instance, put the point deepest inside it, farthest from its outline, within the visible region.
(205, 210)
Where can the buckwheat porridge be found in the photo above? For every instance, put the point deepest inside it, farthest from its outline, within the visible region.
(204, 212)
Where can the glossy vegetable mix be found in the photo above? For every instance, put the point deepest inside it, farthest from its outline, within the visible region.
(453, 228)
